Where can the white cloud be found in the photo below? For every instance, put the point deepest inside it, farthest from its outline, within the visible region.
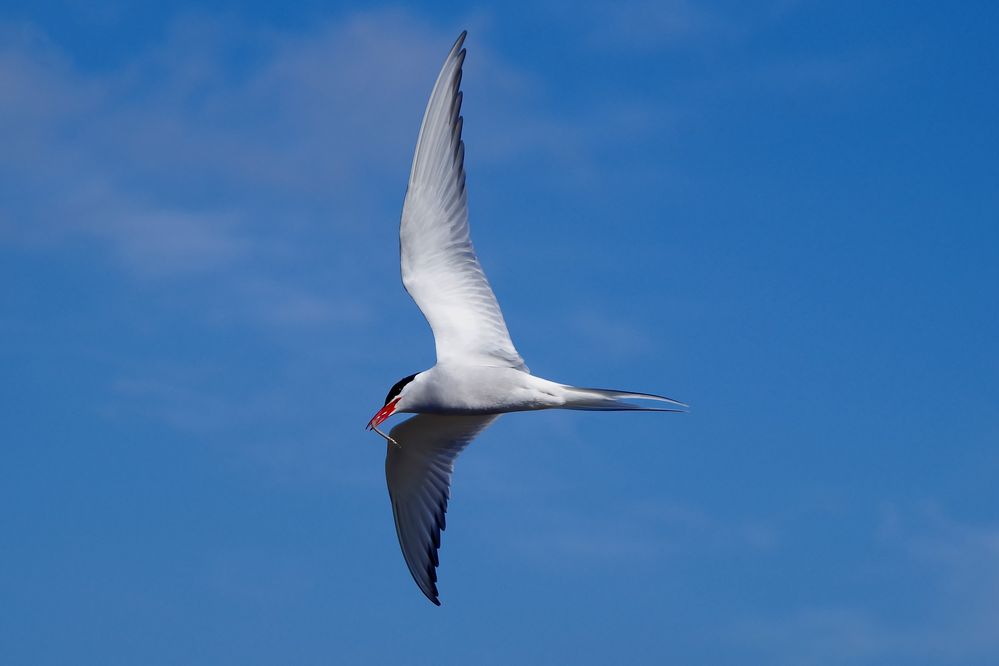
(611, 336)
(952, 615)
(182, 150)
(228, 154)
(645, 25)
(650, 530)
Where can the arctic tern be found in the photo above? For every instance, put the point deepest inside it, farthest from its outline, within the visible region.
(479, 375)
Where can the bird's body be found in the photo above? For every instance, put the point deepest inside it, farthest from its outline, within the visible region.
(479, 374)
(454, 388)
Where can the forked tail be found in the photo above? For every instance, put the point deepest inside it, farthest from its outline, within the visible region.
(594, 399)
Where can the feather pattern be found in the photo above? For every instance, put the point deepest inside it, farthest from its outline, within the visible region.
(418, 471)
(440, 269)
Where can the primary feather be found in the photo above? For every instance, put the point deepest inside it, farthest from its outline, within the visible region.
(418, 471)
(439, 267)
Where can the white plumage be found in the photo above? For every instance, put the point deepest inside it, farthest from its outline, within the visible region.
(479, 374)
(439, 266)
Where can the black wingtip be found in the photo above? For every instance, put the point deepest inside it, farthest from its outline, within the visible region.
(432, 593)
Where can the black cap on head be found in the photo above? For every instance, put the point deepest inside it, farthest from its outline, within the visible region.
(397, 388)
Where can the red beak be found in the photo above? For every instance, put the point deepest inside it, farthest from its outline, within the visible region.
(382, 414)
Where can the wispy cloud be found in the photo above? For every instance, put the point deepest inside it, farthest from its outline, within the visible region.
(611, 335)
(232, 154)
(181, 150)
(652, 530)
(952, 617)
(645, 25)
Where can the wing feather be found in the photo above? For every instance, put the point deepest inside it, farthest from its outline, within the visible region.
(418, 472)
(440, 269)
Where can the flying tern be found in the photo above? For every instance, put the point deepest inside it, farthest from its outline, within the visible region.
(478, 375)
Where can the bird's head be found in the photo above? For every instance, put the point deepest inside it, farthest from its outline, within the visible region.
(394, 401)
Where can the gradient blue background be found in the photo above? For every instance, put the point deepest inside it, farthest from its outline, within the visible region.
(785, 213)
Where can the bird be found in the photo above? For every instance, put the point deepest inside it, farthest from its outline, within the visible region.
(479, 375)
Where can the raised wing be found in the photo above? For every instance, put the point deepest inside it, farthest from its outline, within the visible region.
(439, 267)
(418, 472)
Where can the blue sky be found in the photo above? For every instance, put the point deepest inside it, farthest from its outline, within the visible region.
(784, 213)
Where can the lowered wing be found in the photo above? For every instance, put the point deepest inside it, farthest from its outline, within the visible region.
(418, 472)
